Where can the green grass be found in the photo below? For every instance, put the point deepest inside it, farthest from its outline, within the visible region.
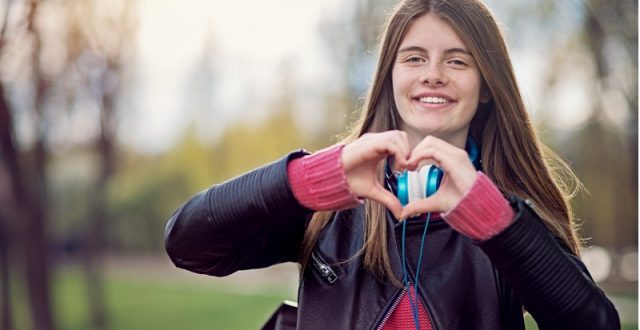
(162, 303)
(137, 303)
(530, 323)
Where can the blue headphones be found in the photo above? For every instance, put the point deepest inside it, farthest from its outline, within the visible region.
(415, 185)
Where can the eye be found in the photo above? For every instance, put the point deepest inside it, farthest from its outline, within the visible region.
(414, 59)
(459, 63)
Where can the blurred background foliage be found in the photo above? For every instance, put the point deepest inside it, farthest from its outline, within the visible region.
(83, 202)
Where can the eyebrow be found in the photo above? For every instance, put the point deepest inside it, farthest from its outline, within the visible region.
(420, 49)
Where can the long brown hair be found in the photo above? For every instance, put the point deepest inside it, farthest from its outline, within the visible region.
(512, 156)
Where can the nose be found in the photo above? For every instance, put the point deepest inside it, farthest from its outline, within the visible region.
(432, 75)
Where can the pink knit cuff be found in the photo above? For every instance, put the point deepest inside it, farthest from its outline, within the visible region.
(318, 181)
(482, 213)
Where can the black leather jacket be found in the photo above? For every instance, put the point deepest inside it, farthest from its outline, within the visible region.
(254, 221)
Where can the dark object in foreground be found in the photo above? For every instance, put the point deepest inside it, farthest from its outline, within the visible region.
(284, 318)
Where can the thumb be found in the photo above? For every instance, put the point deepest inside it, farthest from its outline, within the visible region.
(387, 199)
(421, 206)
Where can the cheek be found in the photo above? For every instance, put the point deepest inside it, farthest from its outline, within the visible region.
(395, 81)
(396, 85)
(475, 84)
(471, 87)
(401, 85)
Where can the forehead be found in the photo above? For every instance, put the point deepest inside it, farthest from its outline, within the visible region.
(430, 31)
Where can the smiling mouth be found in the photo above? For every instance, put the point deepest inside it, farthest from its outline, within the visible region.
(434, 100)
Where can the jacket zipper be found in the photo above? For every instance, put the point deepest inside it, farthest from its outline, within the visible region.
(391, 309)
(325, 270)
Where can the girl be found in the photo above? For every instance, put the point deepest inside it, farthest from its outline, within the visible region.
(444, 111)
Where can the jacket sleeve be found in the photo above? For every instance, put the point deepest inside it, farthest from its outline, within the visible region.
(553, 284)
(251, 221)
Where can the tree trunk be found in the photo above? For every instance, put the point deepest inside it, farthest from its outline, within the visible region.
(6, 322)
(26, 216)
(34, 200)
(96, 232)
(7, 211)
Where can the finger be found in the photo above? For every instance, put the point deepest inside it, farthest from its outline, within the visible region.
(441, 153)
(402, 141)
(425, 153)
(398, 146)
(398, 162)
(388, 143)
(367, 148)
(404, 147)
(431, 204)
(459, 172)
(387, 199)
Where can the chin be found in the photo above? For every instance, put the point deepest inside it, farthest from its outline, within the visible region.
(432, 130)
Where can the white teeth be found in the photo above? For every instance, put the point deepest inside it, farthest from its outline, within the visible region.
(434, 100)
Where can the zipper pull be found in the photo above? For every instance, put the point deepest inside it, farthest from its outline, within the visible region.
(325, 270)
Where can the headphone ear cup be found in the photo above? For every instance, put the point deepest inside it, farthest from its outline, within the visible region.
(412, 186)
(403, 189)
(433, 179)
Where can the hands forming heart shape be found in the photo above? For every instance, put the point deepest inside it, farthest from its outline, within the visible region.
(361, 157)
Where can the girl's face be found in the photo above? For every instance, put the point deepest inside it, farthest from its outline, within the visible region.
(436, 84)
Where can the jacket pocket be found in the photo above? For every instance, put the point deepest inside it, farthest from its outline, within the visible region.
(322, 268)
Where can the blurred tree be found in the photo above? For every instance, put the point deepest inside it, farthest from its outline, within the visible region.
(71, 63)
(34, 235)
(9, 185)
(608, 158)
(148, 188)
(99, 46)
(202, 93)
(26, 206)
(612, 34)
(6, 321)
(351, 40)
(11, 205)
(604, 149)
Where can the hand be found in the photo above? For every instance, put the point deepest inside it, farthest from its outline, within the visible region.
(459, 175)
(360, 160)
